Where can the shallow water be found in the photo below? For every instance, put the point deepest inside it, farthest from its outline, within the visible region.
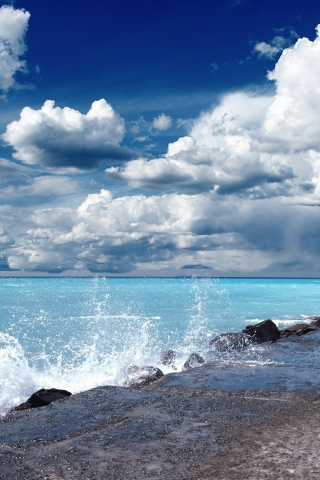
(77, 333)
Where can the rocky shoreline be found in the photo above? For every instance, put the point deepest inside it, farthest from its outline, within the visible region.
(139, 377)
(178, 426)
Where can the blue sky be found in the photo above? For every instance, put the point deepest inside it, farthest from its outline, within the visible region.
(159, 137)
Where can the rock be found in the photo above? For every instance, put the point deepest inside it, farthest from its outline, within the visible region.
(301, 328)
(168, 358)
(193, 361)
(307, 329)
(265, 331)
(43, 397)
(315, 322)
(294, 330)
(230, 341)
(315, 319)
(143, 376)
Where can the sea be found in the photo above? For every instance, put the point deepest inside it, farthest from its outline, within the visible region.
(79, 333)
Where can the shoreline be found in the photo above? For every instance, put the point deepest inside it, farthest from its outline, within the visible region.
(165, 433)
(219, 421)
(181, 427)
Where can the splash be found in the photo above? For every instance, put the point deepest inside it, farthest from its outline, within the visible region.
(77, 334)
(17, 380)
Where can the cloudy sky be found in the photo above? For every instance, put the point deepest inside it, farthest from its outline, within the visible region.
(160, 137)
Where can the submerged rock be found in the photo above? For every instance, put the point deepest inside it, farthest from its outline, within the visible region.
(266, 331)
(230, 341)
(143, 376)
(43, 397)
(168, 357)
(193, 361)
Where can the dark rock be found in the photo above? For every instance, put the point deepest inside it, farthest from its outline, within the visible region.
(230, 341)
(43, 397)
(315, 319)
(143, 376)
(307, 329)
(168, 358)
(265, 331)
(193, 361)
(294, 330)
(301, 328)
(315, 322)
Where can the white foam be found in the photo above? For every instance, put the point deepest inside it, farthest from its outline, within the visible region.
(109, 343)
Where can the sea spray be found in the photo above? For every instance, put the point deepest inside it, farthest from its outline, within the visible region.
(76, 334)
(16, 378)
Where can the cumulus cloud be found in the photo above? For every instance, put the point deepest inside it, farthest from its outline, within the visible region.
(162, 122)
(117, 235)
(249, 145)
(292, 120)
(245, 193)
(220, 153)
(62, 137)
(13, 26)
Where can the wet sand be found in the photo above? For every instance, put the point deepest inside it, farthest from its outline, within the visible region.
(218, 421)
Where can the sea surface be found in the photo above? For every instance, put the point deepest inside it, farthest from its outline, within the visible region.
(78, 333)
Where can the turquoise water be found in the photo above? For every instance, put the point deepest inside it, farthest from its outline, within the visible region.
(77, 333)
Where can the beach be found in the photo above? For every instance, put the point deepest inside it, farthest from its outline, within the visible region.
(180, 427)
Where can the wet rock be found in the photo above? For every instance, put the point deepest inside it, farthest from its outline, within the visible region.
(301, 328)
(43, 397)
(266, 331)
(227, 342)
(168, 358)
(294, 330)
(193, 361)
(143, 376)
(315, 322)
(315, 319)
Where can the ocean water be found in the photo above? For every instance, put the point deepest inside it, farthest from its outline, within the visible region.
(78, 333)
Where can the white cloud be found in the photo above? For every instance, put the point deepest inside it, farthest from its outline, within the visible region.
(141, 139)
(246, 183)
(112, 234)
(62, 137)
(13, 26)
(11, 171)
(266, 50)
(4, 238)
(255, 146)
(162, 122)
(220, 153)
(276, 45)
(117, 235)
(293, 120)
(40, 186)
(139, 125)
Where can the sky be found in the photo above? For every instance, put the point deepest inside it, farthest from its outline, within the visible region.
(160, 138)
